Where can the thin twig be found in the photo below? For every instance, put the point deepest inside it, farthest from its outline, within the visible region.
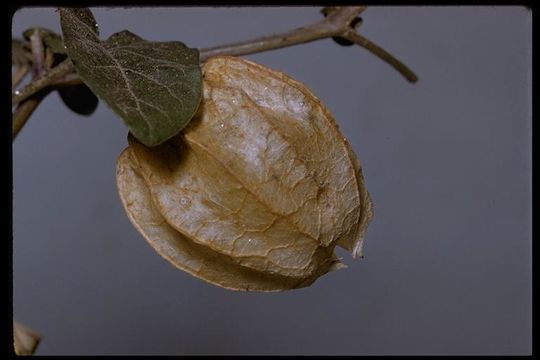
(335, 24)
(338, 23)
(49, 59)
(23, 112)
(38, 54)
(20, 74)
(358, 39)
(289, 38)
(71, 79)
(20, 52)
(47, 79)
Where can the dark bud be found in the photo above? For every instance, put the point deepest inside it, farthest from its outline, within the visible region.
(79, 98)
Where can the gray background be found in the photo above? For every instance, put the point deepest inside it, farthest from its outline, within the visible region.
(447, 267)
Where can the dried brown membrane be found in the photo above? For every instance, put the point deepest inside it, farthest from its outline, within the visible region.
(256, 192)
(25, 340)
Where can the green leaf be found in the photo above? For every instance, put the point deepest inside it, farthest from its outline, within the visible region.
(155, 87)
(51, 39)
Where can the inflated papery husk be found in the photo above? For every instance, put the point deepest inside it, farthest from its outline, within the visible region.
(25, 340)
(256, 192)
